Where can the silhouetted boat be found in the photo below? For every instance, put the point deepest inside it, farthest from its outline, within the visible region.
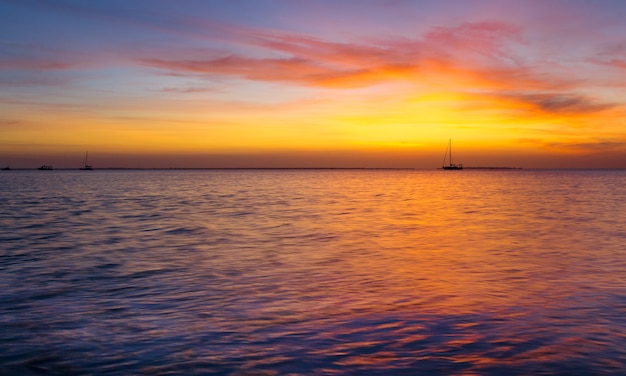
(45, 167)
(451, 166)
(85, 165)
(7, 168)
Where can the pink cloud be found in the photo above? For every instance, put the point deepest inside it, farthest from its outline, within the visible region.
(478, 47)
(478, 54)
(484, 39)
(615, 62)
(289, 69)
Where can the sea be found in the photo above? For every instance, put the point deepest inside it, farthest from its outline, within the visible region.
(313, 272)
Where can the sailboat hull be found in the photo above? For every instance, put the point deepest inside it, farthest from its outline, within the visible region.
(85, 165)
(451, 166)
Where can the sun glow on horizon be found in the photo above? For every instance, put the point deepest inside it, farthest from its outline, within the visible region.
(233, 88)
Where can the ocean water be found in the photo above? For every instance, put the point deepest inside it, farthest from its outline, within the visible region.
(312, 272)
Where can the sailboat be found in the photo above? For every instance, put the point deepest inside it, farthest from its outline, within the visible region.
(451, 166)
(86, 166)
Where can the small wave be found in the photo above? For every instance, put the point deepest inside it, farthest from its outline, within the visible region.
(186, 231)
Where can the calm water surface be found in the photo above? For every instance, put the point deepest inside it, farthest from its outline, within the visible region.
(312, 272)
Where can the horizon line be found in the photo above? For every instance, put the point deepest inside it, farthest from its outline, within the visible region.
(504, 168)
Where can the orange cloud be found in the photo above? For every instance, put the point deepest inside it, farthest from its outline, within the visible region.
(480, 48)
(590, 145)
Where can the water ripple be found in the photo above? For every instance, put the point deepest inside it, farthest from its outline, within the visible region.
(313, 272)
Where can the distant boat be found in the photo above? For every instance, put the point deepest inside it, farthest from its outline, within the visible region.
(7, 168)
(45, 167)
(85, 165)
(450, 166)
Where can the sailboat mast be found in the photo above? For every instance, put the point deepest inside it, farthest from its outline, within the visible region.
(451, 166)
(86, 166)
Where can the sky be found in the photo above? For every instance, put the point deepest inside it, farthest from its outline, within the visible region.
(297, 83)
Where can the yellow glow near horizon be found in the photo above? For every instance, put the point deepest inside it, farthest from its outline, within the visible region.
(424, 120)
(498, 87)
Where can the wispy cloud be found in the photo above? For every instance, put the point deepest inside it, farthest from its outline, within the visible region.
(611, 62)
(590, 145)
(26, 56)
(188, 90)
(475, 47)
(560, 102)
(30, 64)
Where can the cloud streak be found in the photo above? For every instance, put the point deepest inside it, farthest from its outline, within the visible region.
(479, 48)
(591, 146)
(187, 90)
(560, 103)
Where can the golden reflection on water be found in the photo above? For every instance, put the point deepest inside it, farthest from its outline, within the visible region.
(475, 248)
(321, 272)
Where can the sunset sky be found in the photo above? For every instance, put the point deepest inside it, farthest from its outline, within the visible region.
(296, 83)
